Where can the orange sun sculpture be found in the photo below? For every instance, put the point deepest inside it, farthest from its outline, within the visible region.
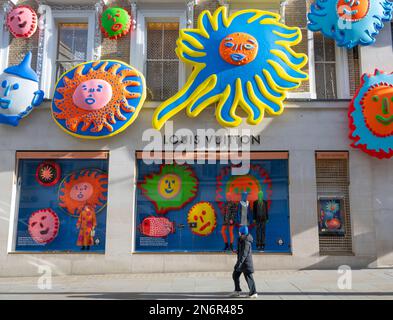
(98, 99)
(85, 187)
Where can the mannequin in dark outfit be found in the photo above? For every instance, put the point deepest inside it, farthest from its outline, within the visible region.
(230, 211)
(261, 216)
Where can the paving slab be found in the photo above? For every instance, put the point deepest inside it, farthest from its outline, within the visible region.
(271, 285)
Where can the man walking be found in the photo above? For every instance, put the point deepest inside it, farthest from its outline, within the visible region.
(244, 264)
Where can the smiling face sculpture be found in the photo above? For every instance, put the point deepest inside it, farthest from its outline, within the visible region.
(350, 22)
(43, 226)
(171, 188)
(202, 219)
(371, 115)
(19, 92)
(98, 99)
(22, 22)
(115, 22)
(85, 187)
(241, 61)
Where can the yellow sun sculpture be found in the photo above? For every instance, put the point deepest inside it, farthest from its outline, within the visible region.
(244, 60)
(98, 99)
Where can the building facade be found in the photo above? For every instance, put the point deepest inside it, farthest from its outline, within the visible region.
(305, 153)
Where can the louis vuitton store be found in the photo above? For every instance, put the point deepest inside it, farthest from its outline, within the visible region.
(120, 154)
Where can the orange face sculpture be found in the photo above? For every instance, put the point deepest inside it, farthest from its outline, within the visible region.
(237, 185)
(239, 48)
(378, 110)
(352, 10)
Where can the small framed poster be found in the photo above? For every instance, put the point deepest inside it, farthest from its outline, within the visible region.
(331, 215)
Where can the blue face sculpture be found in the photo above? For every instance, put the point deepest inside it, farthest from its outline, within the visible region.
(350, 22)
(19, 92)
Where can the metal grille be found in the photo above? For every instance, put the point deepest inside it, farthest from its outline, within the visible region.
(71, 46)
(333, 179)
(162, 64)
(325, 67)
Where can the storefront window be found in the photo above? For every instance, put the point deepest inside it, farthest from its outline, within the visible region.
(61, 202)
(197, 207)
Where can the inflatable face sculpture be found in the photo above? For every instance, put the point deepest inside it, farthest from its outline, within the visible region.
(115, 22)
(202, 219)
(43, 226)
(238, 185)
(19, 92)
(371, 115)
(98, 99)
(86, 187)
(241, 61)
(171, 188)
(48, 173)
(350, 22)
(231, 188)
(22, 22)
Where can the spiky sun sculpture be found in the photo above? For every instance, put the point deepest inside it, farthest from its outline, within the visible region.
(242, 60)
(98, 99)
(84, 187)
(371, 115)
(171, 188)
(350, 22)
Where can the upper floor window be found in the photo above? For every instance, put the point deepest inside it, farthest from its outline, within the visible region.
(325, 67)
(71, 46)
(162, 63)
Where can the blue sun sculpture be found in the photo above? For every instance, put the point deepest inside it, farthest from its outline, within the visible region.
(242, 60)
(350, 22)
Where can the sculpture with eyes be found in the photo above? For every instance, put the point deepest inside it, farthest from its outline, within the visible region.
(19, 92)
(22, 21)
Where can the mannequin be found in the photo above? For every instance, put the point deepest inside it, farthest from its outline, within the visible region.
(230, 211)
(261, 216)
(244, 216)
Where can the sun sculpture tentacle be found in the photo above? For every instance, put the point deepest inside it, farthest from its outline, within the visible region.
(98, 99)
(245, 60)
(350, 22)
(371, 115)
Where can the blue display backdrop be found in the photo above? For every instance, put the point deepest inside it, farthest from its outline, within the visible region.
(40, 199)
(197, 225)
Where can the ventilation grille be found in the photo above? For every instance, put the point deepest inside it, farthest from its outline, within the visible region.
(333, 179)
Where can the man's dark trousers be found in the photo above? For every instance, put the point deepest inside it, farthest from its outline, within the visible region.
(249, 279)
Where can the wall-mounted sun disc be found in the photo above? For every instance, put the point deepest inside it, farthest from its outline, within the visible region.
(98, 99)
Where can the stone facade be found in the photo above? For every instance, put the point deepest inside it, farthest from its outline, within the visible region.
(304, 128)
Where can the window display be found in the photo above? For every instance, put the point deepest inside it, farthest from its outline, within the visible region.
(200, 207)
(61, 204)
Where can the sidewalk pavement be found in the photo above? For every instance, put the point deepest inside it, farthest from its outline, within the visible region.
(305, 284)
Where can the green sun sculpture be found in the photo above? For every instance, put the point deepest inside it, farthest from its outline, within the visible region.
(115, 22)
(171, 188)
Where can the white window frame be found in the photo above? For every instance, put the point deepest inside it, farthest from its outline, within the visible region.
(4, 41)
(138, 51)
(48, 79)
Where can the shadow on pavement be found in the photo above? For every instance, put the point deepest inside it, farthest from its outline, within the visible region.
(189, 295)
